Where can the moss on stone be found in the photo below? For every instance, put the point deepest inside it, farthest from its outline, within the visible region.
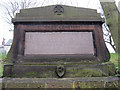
(113, 84)
(49, 74)
(46, 83)
(31, 74)
(71, 70)
(84, 73)
(89, 84)
(81, 62)
(110, 67)
(10, 55)
(14, 75)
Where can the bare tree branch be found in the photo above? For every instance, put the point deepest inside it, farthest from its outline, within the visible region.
(10, 8)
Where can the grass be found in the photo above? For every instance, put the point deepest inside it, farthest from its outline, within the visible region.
(115, 58)
(1, 69)
(2, 58)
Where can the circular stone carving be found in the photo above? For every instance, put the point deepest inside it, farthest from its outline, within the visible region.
(58, 10)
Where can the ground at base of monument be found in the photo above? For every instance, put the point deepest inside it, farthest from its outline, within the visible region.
(82, 82)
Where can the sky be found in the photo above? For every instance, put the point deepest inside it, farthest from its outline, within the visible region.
(93, 4)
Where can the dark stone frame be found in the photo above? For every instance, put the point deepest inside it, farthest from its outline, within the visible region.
(96, 28)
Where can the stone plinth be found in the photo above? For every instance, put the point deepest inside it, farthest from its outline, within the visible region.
(72, 70)
(64, 83)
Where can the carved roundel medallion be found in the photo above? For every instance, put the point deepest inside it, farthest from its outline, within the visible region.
(58, 10)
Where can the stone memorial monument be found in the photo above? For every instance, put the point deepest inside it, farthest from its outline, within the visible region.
(58, 41)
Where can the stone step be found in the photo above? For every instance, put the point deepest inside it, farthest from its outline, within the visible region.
(71, 83)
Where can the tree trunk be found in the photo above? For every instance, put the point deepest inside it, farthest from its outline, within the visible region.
(111, 13)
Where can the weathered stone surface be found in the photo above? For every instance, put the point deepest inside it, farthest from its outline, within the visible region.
(71, 83)
(43, 65)
(47, 14)
(7, 70)
(72, 70)
(0, 83)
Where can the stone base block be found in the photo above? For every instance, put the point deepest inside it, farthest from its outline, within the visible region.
(70, 70)
(70, 83)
